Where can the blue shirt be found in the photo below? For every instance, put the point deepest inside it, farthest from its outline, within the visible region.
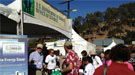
(38, 60)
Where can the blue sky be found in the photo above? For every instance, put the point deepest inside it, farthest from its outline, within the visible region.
(88, 6)
(83, 6)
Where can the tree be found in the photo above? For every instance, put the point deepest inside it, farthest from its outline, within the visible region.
(111, 15)
(32, 43)
(92, 20)
(114, 32)
(78, 22)
(129, 37)
(99, 15)
(113, 21)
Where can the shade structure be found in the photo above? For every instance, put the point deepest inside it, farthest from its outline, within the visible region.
(10, 18)
(110, 46)
(9, 12)
(79, 44)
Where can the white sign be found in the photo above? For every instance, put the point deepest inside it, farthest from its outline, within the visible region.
(13, 48)
(50, 15)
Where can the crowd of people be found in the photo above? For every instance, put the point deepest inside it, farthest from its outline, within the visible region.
(118, 60)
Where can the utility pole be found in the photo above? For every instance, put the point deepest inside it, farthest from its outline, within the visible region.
(68, 7)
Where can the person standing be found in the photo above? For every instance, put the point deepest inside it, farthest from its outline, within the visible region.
(50, 61)
(132, 53)
(118, 54)
(72, 60)
(84, 54)
(36, 61)
(89, 69)
(96, 59)
(102, 57)
(82, 65)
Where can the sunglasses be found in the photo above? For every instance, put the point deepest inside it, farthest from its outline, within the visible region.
(39, 48)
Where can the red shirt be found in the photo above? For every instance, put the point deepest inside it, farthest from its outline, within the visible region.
(115, 69)
(72, 58)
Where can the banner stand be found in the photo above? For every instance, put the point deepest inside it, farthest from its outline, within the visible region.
(13, 55)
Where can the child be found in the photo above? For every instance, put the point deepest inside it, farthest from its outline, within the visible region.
(89, 68)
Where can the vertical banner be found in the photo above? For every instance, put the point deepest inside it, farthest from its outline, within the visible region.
(28, 6)
(13, 55)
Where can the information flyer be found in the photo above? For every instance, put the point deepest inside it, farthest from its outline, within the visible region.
(13, 55)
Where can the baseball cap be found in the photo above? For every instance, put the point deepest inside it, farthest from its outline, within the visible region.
(40, 46)
(93, 52)
(68, 43)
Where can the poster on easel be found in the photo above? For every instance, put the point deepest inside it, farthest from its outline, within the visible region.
(13, 55)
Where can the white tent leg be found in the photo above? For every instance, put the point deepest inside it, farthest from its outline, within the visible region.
(17, 28)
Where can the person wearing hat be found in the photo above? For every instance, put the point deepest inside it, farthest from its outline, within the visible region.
(36, 61)
(96, 59)
(72, 60)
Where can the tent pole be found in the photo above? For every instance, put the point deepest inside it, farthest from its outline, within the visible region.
(18, 29)
(22, 19)
(0, 25)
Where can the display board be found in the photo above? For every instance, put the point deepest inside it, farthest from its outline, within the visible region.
(45, 12)
(13, 55)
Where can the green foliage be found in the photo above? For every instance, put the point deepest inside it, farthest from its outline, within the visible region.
(78, 24)
(99, 15)
(104, 28)
(92, 20)
(32, 43)
(113, 32)
(129, 37)
(114, 20)
(111, 14)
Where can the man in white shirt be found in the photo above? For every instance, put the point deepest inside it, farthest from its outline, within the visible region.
(51, 61)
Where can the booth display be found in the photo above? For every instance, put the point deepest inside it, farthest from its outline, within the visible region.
(13, 55)
(41, 17)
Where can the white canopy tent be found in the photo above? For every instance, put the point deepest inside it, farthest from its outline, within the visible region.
(79, 44)
(110, 46)
(38, 27)
(9, 12)
(57, 45)
(16, 5)
(9, 19)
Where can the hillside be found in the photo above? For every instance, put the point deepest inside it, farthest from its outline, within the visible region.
(114, 22)
(99, 34)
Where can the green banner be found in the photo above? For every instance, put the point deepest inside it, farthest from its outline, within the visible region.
(28, 6)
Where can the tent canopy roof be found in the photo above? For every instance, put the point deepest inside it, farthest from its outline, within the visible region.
(107, 41)
(32, 27)
(110, 46)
